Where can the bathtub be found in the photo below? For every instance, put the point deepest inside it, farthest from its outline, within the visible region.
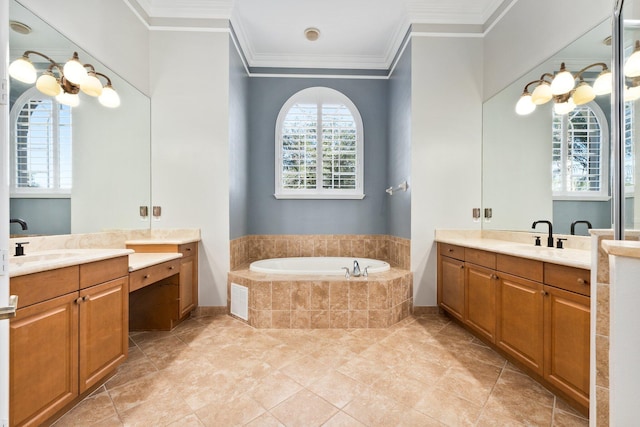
(332, 266)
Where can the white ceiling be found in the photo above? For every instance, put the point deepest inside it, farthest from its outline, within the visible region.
(357, 34)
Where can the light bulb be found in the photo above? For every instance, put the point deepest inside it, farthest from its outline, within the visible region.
(48, 84)
(566, 107)
(563, 82)
(525, 105)
(23, 70)
(542, 94)
(70, 99)
(632, 93)
(109, 97)
(91, 85)
(74, 71)
(632, 65)
(583, 94)
(604, 83)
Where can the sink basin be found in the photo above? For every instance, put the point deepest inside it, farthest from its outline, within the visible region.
(48, 256)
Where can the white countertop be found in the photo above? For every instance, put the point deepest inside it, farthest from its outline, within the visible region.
(571, 257)
(162, 241)
(625, 248)
(36, 262)
(142, 260)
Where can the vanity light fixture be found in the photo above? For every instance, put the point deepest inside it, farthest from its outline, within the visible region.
(65, 82)
(562, 89)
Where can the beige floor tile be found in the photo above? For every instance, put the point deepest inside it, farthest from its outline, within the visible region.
(216, 370)
(95, 408)
(304, 409)
(371, 408)
(337, 388)
(449, 409)
(342, 420)
(238, 411)
(273, 389)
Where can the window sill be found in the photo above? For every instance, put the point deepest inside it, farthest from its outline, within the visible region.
(317, 196)
(582, 198)
(40, 195)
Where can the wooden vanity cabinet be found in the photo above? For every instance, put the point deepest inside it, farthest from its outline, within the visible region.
(188, 286)
(536, 313)
(70, 333)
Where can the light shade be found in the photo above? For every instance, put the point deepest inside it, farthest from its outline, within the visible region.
(525, 105)
(563, 108)
(583, 94)
(109, 97)
(632, 65)
(632, 93)
(91, 85)
(542, 94)
(74, 71)
(70, 99)
(563, 82)
(23, 70)
(604, 83)
(48, 84)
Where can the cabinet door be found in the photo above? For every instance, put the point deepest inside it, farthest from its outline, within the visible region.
(520, 315)
(43, 373)
(104, 326)
(480, 300)
(187, 295)
(451, 286)
(567, 322)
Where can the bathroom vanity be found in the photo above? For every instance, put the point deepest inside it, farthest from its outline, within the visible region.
(536, 312)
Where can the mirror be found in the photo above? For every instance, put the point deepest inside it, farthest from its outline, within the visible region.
(111, 148)
(517, 150)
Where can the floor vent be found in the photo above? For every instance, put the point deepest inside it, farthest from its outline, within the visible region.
(240, 301)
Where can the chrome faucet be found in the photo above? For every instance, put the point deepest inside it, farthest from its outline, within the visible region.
(573, 225)
(22, 222)
(356, 268)
(550, 238)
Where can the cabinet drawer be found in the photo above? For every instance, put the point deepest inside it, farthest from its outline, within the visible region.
(527, 268)
(452, 251)
(188, 249)
(568, 278)
(483, 258)
(93, 273)
(147, 276)
(38, 287)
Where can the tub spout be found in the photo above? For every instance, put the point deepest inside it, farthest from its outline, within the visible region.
(356, 268)
(347, 275)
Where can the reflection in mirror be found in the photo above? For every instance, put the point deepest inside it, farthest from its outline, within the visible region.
(74, 170)
(550, 165)
(631, 45)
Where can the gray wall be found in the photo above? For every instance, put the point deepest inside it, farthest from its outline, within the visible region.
(238, 144)
(268, 215)
(399, 146)
(43, 216)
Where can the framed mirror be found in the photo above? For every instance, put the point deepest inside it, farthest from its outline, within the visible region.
(533, 166)
(91, 171)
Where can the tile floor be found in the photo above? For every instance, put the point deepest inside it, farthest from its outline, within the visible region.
(217, 371)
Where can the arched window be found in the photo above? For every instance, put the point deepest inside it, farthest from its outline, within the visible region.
(40, 146)
(319, 147)
(580, 154)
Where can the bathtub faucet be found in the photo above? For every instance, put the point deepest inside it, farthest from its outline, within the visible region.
(356, 268)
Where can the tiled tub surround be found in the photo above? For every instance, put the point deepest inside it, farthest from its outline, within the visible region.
(394, 250)
(291, 301)
(317, 302)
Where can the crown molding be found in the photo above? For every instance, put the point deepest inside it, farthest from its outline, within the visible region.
(209, 9)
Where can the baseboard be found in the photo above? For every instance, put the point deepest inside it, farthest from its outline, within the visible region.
(421, 310)
(201, 311)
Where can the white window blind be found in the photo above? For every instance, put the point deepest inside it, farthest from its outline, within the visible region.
(319, 146)
(629, 149)
(41, 146)
(579, 144)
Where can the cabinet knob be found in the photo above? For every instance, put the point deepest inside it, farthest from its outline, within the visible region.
(494, 276)
(146, 276)
(450, 250)
(461, 267)
(583, 281)
(544, 293)
(171, 268)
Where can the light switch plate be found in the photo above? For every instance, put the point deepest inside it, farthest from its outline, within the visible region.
(4, 268)
(4, 92)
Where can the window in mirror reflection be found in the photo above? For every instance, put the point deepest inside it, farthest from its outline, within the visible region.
(580, 147)
(40, 145)
(629, 157)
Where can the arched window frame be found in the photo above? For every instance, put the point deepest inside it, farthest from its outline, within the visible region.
(565, 193)
(319, 96)
(59, 168)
